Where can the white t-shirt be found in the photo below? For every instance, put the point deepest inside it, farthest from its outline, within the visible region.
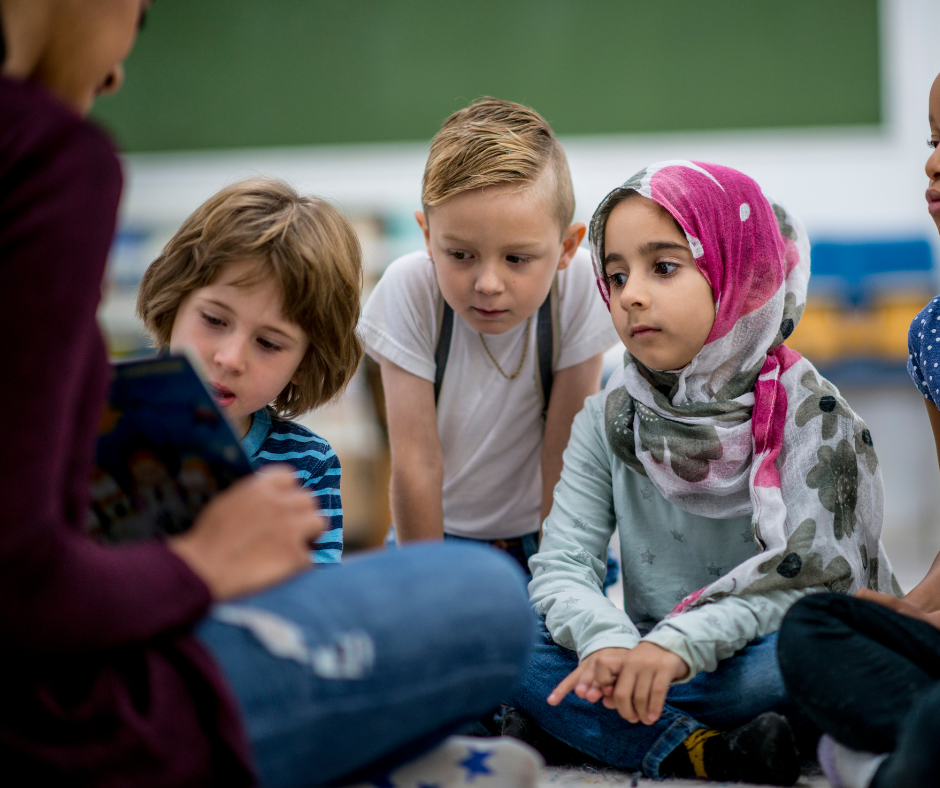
(490, 427)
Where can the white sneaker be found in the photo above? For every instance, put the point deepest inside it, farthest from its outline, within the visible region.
(469, 762)
(845, 767)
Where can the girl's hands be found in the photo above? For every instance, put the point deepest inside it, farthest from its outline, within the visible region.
(634, 681)
(251, 536)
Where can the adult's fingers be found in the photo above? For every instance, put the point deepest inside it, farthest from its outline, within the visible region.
(315, 526)
(277, 475)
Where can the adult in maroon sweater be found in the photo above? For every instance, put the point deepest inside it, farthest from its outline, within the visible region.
(101, 680)
(100, 673)
(79, 691)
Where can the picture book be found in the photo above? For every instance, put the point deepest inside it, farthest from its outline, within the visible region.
(164, 449)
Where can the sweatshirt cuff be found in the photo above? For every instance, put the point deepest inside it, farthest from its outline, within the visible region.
(678, 643)
(614, 640)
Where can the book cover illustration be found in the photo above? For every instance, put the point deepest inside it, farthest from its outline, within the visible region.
(164, 449)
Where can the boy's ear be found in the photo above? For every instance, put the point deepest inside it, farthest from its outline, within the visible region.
(426, 229)
(570, 243)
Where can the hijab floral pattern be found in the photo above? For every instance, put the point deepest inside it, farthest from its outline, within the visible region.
(749, 426)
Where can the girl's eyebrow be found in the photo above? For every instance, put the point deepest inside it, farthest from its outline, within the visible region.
(646, 249)
(660, 246)
(612, 258)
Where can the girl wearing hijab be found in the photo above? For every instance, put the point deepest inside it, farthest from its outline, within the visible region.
(739, 478)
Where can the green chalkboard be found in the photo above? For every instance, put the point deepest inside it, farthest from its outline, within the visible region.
(242, 73)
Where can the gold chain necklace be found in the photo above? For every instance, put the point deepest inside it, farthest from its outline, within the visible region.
(525, 349)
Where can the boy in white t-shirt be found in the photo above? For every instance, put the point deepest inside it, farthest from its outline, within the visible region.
(491, 339)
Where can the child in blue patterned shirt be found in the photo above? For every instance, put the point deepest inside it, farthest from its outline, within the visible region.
(261, 285)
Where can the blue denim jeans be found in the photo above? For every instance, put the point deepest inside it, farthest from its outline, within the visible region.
(521, 548)
(364, 665)
(741, 688)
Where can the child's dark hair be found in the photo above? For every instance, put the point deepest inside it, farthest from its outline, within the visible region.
(302, 243)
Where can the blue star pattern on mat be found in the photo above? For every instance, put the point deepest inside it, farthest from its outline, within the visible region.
(681, 594)
(714, 570)
(474, 764)
(647, 557)
(679, 537)
(746, 535)
(647, 492)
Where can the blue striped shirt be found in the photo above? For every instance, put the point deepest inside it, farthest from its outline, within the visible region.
(273, 439)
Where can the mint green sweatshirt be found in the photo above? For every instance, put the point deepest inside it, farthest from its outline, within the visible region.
(666, 553)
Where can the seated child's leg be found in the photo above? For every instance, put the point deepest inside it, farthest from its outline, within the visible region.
(740, 690)
(857, 668)
(343, 669)
(590, 728)
(916, 761)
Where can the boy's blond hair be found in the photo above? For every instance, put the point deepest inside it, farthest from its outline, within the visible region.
(493, 142)
(302, 243)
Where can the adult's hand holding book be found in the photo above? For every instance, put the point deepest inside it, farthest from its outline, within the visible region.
(168, 466)
(251, 536)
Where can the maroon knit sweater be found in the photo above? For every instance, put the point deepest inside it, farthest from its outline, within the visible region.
(101, 680)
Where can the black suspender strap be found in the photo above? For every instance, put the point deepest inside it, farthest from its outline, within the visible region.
(443, 349)
(544, 341)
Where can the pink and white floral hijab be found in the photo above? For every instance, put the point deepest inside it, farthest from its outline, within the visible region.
(749, 426)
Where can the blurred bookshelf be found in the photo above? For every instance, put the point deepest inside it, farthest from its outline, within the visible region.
(862, 298)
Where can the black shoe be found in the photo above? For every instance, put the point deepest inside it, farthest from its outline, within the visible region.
(763, 751)
(555, 752)
(488, 725)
